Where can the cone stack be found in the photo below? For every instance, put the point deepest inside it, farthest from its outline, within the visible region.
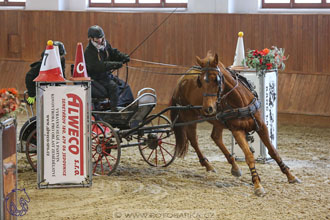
(50, 70)
(239, 53)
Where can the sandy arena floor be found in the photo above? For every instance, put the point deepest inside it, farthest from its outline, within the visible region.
(184, 190)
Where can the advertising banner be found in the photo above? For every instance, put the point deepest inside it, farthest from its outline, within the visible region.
(64, 128)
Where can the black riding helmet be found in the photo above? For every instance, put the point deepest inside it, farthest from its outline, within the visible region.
(95, 31)
(61, 47)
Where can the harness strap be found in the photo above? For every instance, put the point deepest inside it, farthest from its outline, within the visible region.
(225, 95)
(240, 112)
(202, 160)
(283, 166)
(209, 94)
(254, 174)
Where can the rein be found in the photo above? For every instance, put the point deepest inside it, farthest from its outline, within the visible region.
(225, 95)
(164, 73)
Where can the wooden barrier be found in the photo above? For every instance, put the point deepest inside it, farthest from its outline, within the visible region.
(302, 87)
(8, 168)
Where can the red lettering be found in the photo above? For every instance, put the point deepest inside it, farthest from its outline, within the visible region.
(76, 100)
(73, 121)
(73, 139)
(70, 110)
(74, 149)
(73, 132)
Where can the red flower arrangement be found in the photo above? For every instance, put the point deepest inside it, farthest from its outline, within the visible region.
(266, 59)
(9, 102)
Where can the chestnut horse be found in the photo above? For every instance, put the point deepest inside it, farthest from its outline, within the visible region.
(220, 94)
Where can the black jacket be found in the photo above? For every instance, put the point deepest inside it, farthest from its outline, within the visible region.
(34, 73)
(99, 63)
(30, 76)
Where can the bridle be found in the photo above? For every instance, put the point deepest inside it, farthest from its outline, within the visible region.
(220, 81)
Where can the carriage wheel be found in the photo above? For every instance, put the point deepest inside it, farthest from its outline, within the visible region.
(105, 148)
(31, 149)
(159, 150)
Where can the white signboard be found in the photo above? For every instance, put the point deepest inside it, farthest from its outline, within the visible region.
(270, 106)
(64, 130)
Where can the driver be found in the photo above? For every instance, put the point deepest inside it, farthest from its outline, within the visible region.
(101, 59)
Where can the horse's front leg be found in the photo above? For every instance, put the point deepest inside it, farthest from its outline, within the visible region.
(239, 136)
(192, 137)
(217, 138)
(264, 136)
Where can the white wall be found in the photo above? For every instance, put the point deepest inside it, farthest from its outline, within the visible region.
(208, 6)
(77, 5)
(42, 5)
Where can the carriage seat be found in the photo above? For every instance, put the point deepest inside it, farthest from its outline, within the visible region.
(134, 113)
(144, 103)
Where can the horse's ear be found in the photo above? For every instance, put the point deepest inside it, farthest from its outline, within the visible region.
(209, 53)
(199, 83)
(199, 61)
(216, 60)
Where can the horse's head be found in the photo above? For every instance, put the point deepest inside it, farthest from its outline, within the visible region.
(211, 82)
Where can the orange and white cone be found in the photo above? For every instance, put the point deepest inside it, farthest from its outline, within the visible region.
(239, 53)
(79, 71)
(50, 70)
(58, 57)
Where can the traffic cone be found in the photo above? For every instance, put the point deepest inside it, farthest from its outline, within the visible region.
(58, 57)
(79, 71)
(239, 53)
(50, 70)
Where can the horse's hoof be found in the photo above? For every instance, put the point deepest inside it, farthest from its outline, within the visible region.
(212, 170)
(236, 173)
(259, 192)
(295, 180)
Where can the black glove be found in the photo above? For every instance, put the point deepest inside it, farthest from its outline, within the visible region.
(126, 58)
(110, 65)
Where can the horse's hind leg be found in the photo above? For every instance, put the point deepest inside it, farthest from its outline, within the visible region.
(264, 136)
(192, 137)
(239, 136)
(217, 138)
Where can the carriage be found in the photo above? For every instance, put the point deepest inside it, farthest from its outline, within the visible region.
(133, 125)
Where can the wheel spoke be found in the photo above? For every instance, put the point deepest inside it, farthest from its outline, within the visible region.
(98, 159)
(94, 155)
(110, 167)
(102, 167)
(144, 148)
(160, 149)
(166, 151)
(150, 155)
(110, 155)
(168, 143)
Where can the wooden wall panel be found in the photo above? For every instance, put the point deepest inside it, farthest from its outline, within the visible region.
(303, 87)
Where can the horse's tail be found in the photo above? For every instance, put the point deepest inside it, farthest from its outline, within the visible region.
(181, 140)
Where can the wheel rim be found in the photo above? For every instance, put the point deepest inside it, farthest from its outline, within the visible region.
(164, 153)
(31, 149)
(106, 149)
